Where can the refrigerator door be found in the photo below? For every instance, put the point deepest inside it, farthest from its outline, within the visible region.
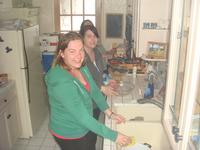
(20, 58)
(38, 104)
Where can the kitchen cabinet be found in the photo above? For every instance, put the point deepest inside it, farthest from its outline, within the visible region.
(4, 138)
(12, 121)
(28, 16)
(181, 114)
(9, 124)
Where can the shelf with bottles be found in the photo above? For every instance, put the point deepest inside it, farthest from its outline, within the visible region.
(153, 59)
(156, 29)
(154, 26)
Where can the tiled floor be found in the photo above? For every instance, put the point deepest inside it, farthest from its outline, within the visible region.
(42, 140)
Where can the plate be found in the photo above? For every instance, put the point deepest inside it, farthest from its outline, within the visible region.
(137, 146)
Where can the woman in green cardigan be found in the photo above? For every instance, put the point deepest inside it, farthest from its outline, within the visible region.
(71, 90)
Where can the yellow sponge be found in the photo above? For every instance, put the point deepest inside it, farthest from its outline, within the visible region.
(133, 141)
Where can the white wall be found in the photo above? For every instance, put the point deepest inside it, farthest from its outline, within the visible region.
(46, 15)
(158, 11)
(112, 6)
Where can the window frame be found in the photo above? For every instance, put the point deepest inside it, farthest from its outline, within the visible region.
(57, 15)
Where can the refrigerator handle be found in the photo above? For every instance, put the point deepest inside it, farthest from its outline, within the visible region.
(26, 68)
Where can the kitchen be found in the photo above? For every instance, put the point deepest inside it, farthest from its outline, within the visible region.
(173, 25)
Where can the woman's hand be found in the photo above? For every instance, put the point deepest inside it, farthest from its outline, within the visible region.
(118, 118)
(113, 84)
(123, 140)
(108, 90)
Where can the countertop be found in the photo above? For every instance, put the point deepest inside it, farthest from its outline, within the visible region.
(5, 87)
(138, 82)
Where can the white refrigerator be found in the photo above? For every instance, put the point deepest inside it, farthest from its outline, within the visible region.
(20, 57)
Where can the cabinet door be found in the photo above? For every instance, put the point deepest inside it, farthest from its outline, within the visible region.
(4, 138)
(12, 121)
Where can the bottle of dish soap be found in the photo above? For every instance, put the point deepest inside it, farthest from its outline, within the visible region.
(151, 84)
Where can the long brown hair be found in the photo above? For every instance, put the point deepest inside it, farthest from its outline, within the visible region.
(62, 45)
(91, 28)
(85, 23)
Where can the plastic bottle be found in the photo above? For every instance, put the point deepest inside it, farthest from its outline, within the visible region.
(134, 74)
(151, 84)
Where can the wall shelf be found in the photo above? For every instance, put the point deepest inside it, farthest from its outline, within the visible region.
(155, 59)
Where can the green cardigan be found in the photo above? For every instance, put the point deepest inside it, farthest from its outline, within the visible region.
(71, 112)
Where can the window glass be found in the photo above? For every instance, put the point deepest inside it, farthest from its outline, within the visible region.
(89, 7)
(76, 21)
(65, 7)
(65, 23)
(73, 12)
(91, 18)
(195, 127)
(77, 7)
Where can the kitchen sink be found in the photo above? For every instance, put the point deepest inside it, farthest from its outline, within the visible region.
(150, 133)
(143, 121)
(138, 112)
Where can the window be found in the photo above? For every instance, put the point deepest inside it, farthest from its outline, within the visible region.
(73, 12)
(114, 25)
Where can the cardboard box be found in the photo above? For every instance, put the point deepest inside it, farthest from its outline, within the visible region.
(157, 50)
(49, 42)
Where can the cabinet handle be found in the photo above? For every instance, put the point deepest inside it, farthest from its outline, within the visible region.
(8, 117)
(5, 100)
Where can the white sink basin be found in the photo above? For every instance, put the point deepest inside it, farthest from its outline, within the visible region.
(148, 112)
(145, 132)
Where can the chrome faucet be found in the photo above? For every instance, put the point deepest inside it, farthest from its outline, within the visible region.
(152, 101)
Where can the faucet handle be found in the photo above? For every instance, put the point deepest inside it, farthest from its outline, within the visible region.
(178, 137)
(175, 130)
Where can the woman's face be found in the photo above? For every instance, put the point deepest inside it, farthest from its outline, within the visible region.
(73, 55)
(90, 39)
